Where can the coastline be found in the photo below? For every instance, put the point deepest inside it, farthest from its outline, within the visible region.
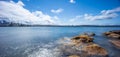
(59, 25)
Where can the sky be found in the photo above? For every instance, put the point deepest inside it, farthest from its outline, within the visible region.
(61, 12)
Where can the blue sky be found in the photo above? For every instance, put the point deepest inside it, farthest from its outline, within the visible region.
(79, 12)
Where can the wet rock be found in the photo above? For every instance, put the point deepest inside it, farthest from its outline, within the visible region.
(92, 34)
(116, 43)
(82, 46)
(116, 31)
(85, 50)
(107, 33)
(69, 50)
(73, 56)
(113, 34)
(95, 50)
(89, 34)
(82, 38)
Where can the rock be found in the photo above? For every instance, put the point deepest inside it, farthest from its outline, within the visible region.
(89, 34)
(92, 34)
(82, 46)
(107, 33)
(73, 56)
(95, 49)
(116, 31)
(82, 38)
(116, 35)
(116, 43)
(113, 34)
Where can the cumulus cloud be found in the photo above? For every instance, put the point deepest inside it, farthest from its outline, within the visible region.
(57, 11)
(43, 17)
(72, 1)
(104, 14)
(15, 12)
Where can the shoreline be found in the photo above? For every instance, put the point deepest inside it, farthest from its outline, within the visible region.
(59, 26)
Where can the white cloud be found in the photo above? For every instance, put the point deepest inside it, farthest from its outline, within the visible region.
(75, 18)
(104, 14)
(15, 12)
(111, 11)
(20, 3)
(43, 17)
(56, 18)
(72, 1)
(57, 11)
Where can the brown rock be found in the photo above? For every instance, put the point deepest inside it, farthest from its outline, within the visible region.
(82, 46)
(73, 56)
(113, 34)
(116, 43)
(107, 33)
(116, 31)
(82, 38)
(95, 49)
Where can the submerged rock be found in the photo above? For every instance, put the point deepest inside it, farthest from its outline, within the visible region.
(89, 34)
(116, 43)
(92, 34)
(115, 34)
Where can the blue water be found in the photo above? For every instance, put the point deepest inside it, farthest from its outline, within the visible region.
(40, 41)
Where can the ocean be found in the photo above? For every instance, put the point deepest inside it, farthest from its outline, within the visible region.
(42, 41)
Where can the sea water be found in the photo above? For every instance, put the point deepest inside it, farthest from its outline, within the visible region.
(42, 41)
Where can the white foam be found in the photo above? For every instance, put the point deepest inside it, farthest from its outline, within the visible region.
(49, 50)
(64, 40)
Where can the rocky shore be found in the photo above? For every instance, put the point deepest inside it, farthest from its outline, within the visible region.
(113, 34)
(114, 37)
(82, 46)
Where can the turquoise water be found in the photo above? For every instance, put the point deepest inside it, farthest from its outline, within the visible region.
(41, 41)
